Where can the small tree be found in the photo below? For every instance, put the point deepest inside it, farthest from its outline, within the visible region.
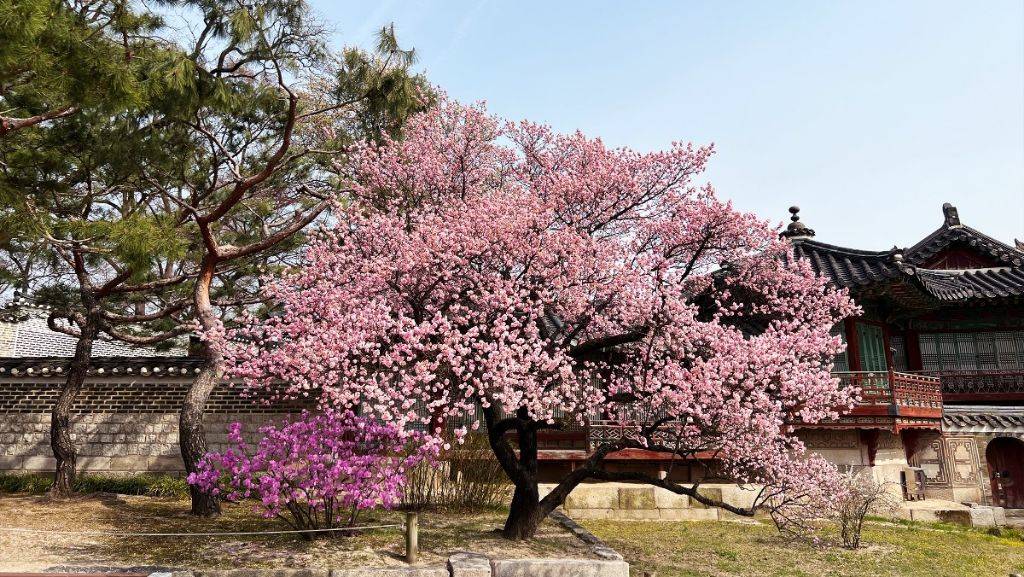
(515, 279)
(862, 494)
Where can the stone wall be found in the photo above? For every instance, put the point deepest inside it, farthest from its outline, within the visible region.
(120, 425)
(637, 501)
(954, 468)
(113, 442)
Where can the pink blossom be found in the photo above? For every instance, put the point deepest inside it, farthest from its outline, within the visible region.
(495, 266)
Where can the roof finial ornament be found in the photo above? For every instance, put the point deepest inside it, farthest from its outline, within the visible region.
(796, 229)
(951, 215)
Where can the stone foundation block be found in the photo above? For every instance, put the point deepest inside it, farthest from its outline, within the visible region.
(692, 514)
(1000, 516)
(710, 493)
(39, 463)
(951, 516)
(665, 499)
(469, 565)
(593, 497)
(633, 498)
(90, 463)
(638, 514)
(593, 513)
(558, 568)
(982, 517)
(739, 496)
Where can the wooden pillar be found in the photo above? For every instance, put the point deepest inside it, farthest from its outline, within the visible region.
(913, 345)
(852, 344)
(412, 537)
(870, 439)
(911, 439)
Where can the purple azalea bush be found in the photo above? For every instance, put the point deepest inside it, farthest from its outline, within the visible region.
(318, 471)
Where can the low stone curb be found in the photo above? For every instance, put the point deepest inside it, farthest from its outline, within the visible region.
(435, 571)
(469, 565)
(599, 547)
(558, 568)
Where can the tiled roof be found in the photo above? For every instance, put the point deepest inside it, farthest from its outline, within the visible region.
(110, 366)
(898, 272)
(983, 419)
(849, 267)
(24, 333)
(991, 282)
(952, 232)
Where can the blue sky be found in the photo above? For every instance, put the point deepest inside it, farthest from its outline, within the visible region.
(869, 115)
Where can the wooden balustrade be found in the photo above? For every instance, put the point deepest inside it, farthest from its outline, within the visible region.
(981, 385)
(895, 393)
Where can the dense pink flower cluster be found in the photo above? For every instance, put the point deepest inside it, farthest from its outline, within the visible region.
(320, 469)
(497, 264)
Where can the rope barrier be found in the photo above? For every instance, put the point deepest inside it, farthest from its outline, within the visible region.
(202, 534)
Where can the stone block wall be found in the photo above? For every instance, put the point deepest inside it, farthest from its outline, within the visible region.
(120, 425)
(114, 442)
(636, 501)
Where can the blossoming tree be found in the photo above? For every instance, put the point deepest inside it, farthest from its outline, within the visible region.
(500, 275)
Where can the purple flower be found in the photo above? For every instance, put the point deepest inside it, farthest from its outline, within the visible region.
(318, 471)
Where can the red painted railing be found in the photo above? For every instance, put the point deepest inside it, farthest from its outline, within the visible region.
(895, 394)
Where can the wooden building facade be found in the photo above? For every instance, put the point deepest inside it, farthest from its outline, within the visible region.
(939, 355)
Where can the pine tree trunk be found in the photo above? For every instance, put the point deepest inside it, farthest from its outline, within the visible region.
(60, 417)
(191, 436)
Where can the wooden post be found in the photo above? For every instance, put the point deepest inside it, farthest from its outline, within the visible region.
(412, 544)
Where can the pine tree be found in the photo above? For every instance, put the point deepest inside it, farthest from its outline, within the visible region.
(79, 220)
(271, 114)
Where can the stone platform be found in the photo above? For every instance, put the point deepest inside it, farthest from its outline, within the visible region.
(643, 502)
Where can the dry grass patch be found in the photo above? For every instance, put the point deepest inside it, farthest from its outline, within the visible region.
(724, 549)
(440, 535)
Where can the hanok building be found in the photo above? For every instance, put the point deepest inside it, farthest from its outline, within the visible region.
(939, 355)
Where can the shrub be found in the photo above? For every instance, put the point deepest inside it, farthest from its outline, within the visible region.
(24, 483)
(847, 504)
(316, 472)
(467, 477)
(144, 484)
(153, 485)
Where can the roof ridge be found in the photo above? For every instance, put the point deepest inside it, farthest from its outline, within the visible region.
(847, 250)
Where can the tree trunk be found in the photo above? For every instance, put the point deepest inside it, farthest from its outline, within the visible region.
(60, 417)
(191, 436)
(525, 514)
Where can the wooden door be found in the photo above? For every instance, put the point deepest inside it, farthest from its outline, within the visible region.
(872, 347)
(1005, 458)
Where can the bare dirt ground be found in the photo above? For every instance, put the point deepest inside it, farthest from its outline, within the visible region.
(441, 533)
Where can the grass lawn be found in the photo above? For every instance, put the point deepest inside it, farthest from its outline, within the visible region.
(440, 535)
(719, 549)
